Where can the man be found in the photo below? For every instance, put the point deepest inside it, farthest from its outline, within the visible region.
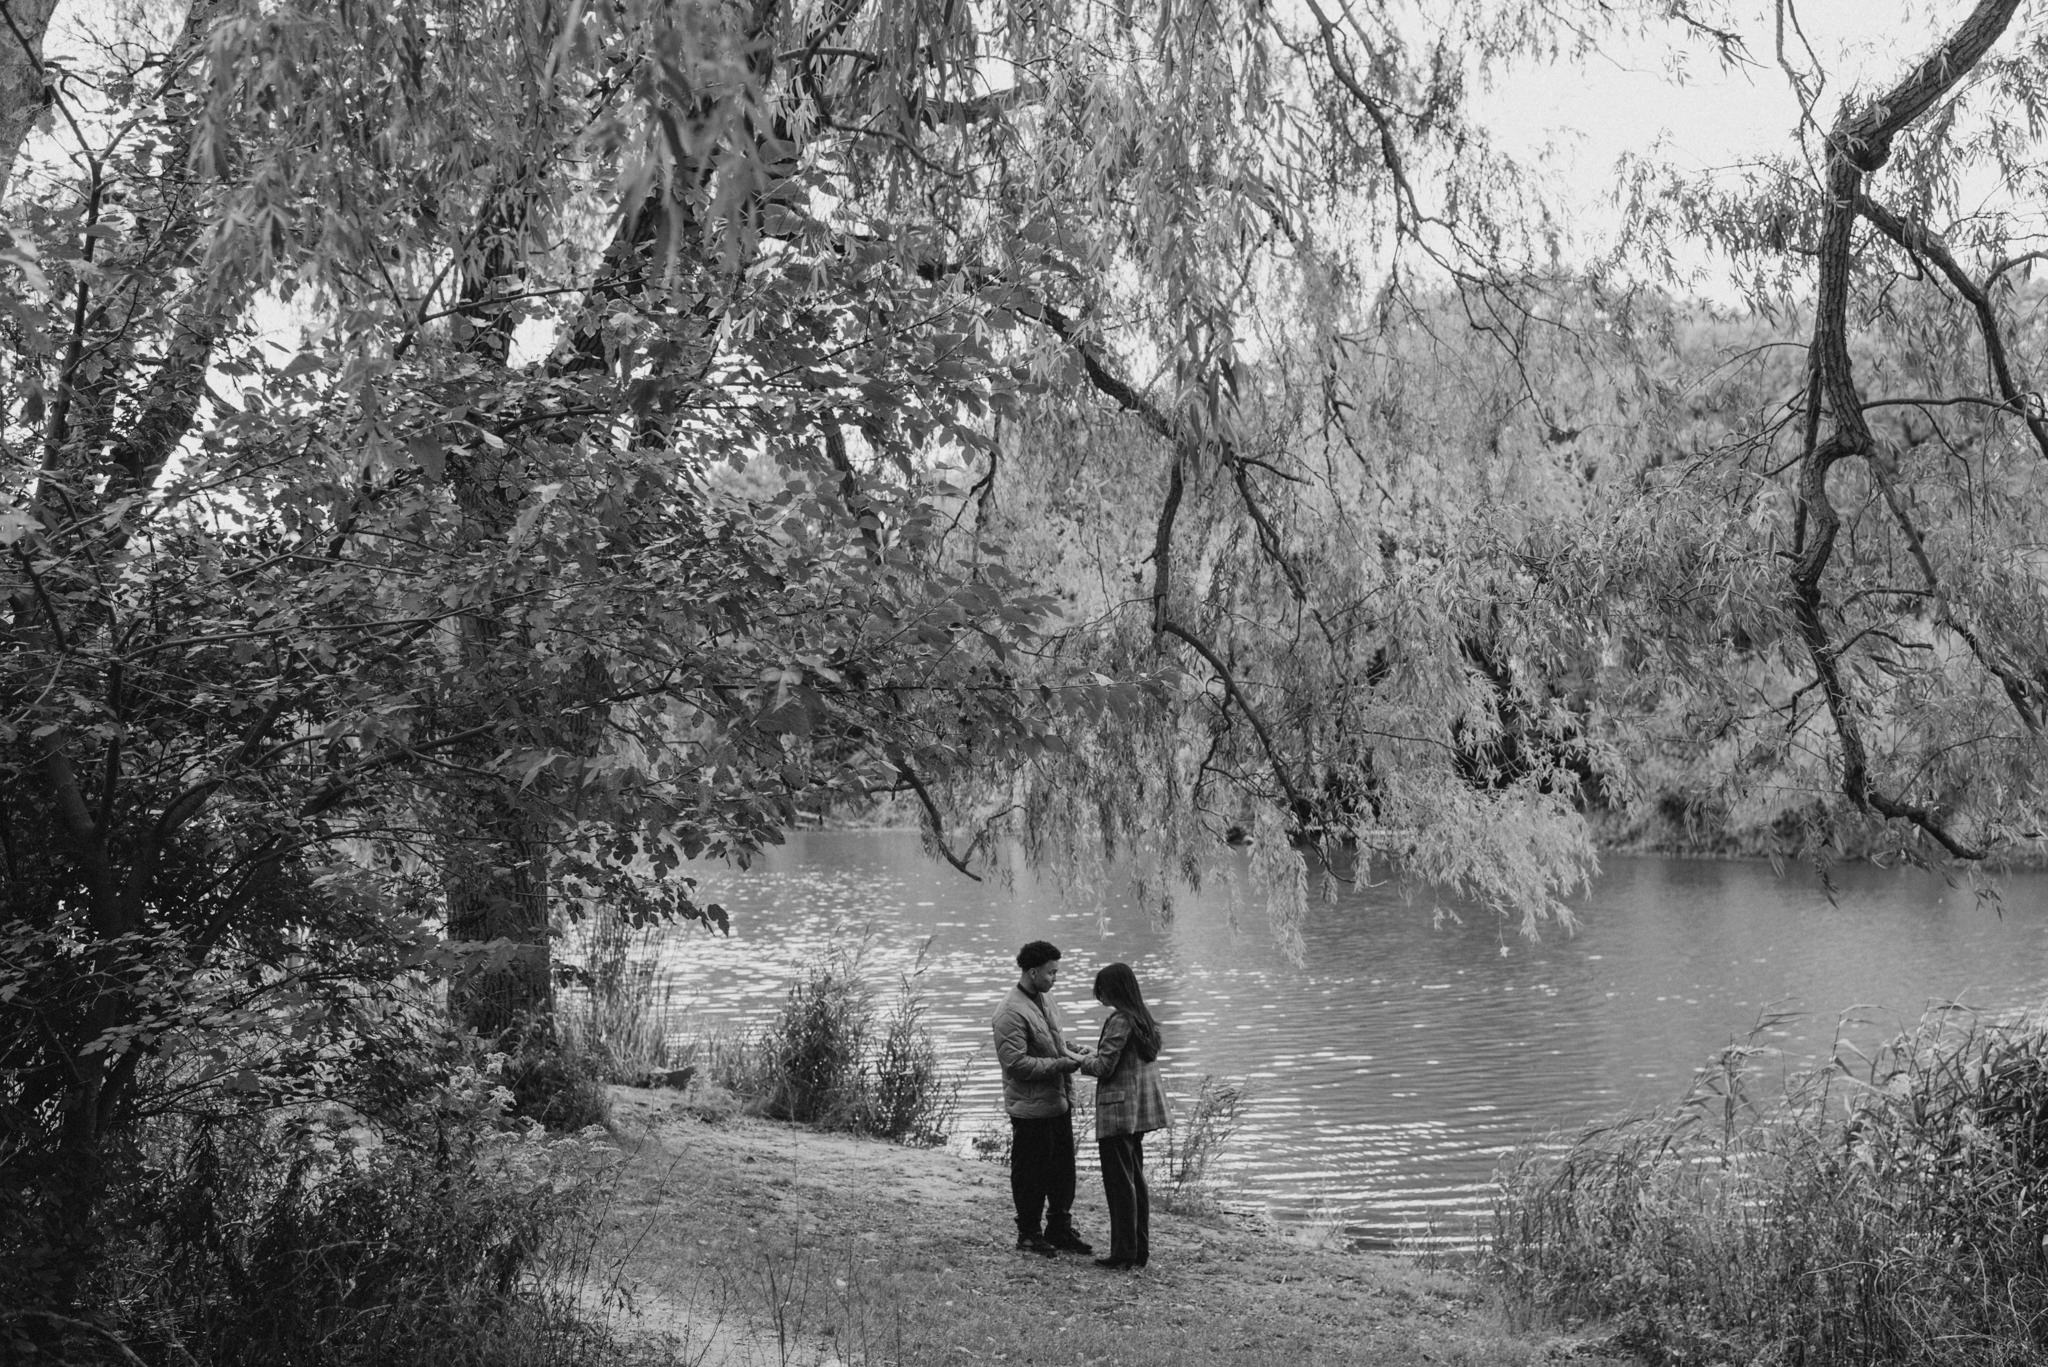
(1038, 1068)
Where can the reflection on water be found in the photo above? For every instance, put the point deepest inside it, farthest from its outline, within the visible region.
(1393, 1070)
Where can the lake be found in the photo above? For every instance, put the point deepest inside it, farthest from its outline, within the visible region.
(1391, 1071)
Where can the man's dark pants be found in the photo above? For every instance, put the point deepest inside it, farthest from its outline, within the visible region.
(1042, 1173)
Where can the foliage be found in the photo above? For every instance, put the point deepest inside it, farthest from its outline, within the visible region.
(992, 1143)
(555, 1085)
(812, 1052)
(1882, 1213)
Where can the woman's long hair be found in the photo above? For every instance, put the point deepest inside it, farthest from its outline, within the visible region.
(1116, 986)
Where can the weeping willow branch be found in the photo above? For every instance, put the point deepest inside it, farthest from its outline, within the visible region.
(1408, 210)
(1228, 679)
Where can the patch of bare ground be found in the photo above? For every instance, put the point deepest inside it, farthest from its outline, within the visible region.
(738, 1242)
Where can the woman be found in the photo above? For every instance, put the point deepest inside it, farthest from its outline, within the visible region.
(1129, 1104)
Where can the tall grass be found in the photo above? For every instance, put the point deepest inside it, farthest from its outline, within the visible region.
(620, 1014)
(1889, 1209)
(1202, 1126)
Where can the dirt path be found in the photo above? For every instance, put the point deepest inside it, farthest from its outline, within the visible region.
(743, 1243)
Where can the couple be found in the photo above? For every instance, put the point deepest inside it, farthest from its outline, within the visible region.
(1038, 1068)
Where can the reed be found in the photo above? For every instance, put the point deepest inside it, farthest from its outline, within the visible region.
(621, 1012)
(1201, 1127)
(1880, 1209)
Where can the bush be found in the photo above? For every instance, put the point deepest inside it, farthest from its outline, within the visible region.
(909, 1096)
(556, 1086)
(993, 1142)
(823, 1060)
(316, 1249)
(813, 1050)
(1891, 1213)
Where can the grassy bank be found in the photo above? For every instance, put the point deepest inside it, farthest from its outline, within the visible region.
(740, 1242)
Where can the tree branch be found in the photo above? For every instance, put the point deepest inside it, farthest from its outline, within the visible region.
(931, 811)
(1228, 679)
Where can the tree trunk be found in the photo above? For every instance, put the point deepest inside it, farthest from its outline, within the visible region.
(496, 871)
(497, 891)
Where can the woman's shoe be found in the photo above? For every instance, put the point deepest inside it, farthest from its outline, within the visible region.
(1115, 1264)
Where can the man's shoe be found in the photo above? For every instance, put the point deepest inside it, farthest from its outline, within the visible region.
(1116, 1264)
(1036, 1243)
(1067, 1241)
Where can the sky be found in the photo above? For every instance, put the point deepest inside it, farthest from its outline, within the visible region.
(1580, 118)
(1624, 99)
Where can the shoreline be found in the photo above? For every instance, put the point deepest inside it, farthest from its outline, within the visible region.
(1636, 842)
(740, 1242)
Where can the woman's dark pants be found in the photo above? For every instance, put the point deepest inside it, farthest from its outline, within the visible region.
(1130, 1204)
